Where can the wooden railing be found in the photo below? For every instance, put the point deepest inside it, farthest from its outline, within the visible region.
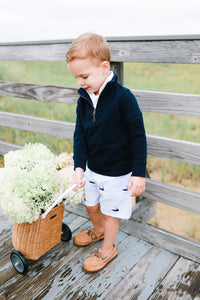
(182, 49)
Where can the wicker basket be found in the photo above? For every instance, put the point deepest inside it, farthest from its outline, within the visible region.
(36, 238)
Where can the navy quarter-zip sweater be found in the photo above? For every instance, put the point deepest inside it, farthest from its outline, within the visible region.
(110, 139)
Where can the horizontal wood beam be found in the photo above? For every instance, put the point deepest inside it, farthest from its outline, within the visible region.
(187, 152)
(152, 234)
(183, 151)
(169, 103)
(36, 124)
(164, 239)
(172, 195)
(156, 51)
(163, 51)
(6, 147)
(42, 92)
(158, 102)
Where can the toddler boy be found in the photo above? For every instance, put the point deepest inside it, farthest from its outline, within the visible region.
(109, 146)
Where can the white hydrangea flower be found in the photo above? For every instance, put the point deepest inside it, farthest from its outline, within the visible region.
(63, 160)
(32, 180)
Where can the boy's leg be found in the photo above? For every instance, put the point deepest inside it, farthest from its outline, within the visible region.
(92, 205)
(86, 237)
(99, 259)
(111, 226)
(96, 218)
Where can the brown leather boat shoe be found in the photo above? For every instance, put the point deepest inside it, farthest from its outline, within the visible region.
(87, 237)
(97, 261)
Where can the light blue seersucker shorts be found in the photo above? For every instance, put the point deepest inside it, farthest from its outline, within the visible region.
(111, 192)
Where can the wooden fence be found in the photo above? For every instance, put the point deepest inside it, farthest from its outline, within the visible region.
(169, 49)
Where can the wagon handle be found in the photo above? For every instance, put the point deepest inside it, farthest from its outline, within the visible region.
(58, 200)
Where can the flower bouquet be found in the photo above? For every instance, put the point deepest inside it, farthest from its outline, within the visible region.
(32, 179)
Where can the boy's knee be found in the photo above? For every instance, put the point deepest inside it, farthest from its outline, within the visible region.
(93, 209)
(109, 218)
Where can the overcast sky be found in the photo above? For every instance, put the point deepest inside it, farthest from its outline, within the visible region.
(34, 20)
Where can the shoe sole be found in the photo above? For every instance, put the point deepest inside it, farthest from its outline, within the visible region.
(91, 272)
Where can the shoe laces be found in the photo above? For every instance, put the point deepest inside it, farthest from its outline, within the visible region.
(91, 233)
(98, 254)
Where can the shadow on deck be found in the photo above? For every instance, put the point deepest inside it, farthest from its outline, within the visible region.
(140, 271)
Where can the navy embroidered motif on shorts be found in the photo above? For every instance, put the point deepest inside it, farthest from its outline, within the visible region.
(116, 209)
(91, 181)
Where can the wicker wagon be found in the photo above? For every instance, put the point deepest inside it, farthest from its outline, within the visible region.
(32, 240)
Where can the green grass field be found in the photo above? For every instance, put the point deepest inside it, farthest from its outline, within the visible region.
(177, 78)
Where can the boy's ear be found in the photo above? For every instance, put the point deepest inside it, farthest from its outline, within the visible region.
(106, 65)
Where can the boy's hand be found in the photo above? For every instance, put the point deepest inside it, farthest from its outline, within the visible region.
(79, 179)
(137, 184)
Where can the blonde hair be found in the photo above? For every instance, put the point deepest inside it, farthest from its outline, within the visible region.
(89, 45)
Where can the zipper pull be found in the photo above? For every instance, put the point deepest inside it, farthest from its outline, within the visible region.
(93, 115)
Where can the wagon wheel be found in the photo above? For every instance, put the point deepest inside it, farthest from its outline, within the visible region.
(19, 262)
(66, 233)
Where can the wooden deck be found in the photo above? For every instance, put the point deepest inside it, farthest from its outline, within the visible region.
(140, 271)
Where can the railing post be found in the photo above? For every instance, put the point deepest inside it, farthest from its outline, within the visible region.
(118, 68)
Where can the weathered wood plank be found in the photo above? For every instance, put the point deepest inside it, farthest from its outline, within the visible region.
(182, 282)
(157, 236)
(170, 51)
(5, 237)
(54, 52)
(156, 51)
(92, 286)
(162, 238)
(169, 103)
(144, 277)
(5, 147)
(172, 195)
(51, 93)
(75, 223)
(36, 124)
(5, 248)
(187, 152)
(158, 102)
(77, 209)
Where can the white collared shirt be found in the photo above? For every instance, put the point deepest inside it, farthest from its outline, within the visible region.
(94, 97)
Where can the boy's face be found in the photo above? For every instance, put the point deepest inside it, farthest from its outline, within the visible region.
(90, 73)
